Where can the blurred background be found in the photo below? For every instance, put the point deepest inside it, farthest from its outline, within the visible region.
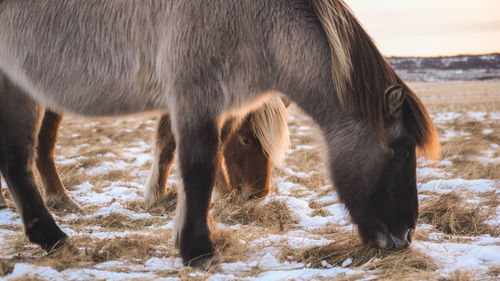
(430, 27)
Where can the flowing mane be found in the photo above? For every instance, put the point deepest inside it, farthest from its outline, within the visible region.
(269, 123)
(361, 75)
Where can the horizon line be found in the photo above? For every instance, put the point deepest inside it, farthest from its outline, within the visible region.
(443, 56)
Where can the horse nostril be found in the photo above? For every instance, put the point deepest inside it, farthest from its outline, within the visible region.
(409, 235)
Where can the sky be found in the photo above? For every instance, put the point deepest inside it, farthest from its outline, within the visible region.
(431, 27)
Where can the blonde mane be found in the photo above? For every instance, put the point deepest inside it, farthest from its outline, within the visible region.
(335, 19)
(270, 125)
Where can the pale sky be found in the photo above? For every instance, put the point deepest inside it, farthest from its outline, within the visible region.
(431, 27)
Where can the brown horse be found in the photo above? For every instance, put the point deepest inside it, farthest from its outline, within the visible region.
(245, 167)
(204, 62)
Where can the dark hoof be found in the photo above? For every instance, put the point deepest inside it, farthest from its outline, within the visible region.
(198, 253)
(58, 245)
(63, 204)
(64, 249)
(202, 262)
(46, 234)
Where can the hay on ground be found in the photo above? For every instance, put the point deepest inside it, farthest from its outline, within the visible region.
(450, 214)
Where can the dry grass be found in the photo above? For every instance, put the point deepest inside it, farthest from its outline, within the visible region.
(82, 252)
(165, 206)
(229, 248)
(450, 214)
(457, 93)
(470, 169)
(115, 221)
(494, 271)
(96, 141)
(235, 210)
(459, 276)
(6, 267)
(137, 249)
(348, 247)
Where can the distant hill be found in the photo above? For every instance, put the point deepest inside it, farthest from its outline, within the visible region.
(462, 67)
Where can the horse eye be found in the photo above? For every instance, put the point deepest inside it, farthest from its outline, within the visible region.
(401, 153)
(244, 141)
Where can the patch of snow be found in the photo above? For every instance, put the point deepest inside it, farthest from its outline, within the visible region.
(427, 172)
(306, 274)
(347, 262)
(445, 116)
(60, 160)
(9, 217)
(108, 166)
(159, 264)
(291, 172)
(460, 256)
(444, 186)
(285, 187)
(478, 116)
(445, 163)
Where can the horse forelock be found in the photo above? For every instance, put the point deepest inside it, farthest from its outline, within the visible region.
(270, 126)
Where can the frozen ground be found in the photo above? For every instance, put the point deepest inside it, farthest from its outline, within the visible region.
(93, 155)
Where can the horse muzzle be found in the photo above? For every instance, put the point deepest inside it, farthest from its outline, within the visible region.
(389, 241)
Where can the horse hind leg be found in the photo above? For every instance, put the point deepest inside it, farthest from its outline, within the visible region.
(19, 126)
(56, 196)
(163, 158)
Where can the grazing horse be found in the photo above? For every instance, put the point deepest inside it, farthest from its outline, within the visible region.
(247, 155)
(205, 62)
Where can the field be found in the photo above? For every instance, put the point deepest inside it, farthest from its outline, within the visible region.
(300, 231)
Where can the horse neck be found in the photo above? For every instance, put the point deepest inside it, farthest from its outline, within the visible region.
(305, 78)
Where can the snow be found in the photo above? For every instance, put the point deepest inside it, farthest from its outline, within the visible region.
(478, 254)
(478, 116)
(442, 117)
(445, 186)
(460, 256)
(306, 274)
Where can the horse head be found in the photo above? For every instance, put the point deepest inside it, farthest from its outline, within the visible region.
(376, 179)
(260, 140)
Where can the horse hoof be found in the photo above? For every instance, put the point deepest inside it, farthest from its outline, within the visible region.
(47, 234)
(63, 204)
(202, 263)
(57, 246)
(163, 205)
(63, 248)
(199, 254)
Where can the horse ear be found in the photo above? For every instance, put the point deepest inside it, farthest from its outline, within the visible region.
(394, 97)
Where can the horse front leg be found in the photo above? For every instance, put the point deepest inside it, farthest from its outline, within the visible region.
(198, 158)
(56, 196)
(163, 158)
(18, 134)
